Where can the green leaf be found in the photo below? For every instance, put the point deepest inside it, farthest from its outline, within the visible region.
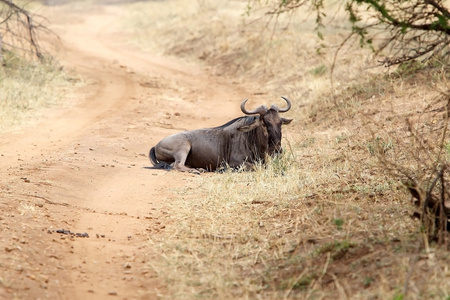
(320, 35)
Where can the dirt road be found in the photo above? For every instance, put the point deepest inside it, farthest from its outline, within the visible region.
(84, 168)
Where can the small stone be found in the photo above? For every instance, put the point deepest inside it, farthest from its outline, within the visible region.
(112, 293)
(127, 266)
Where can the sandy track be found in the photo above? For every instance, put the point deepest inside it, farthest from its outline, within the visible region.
(83, 168)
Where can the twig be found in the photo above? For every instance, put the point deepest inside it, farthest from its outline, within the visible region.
(411, 269)
(22, 29)
(324, 271)
(339, 287)
(46, 200)
(443, 219)
(288, 292)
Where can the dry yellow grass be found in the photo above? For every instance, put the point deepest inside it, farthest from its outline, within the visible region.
(26, 88)
(324, 221)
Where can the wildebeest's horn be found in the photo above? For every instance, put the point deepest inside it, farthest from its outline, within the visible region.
(260, 110)
(282, 110)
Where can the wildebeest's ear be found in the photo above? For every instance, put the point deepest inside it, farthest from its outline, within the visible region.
(249, 127)
(285, 121)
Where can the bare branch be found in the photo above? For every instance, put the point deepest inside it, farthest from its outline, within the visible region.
(439, 7)
(409, 30)
(22, 30)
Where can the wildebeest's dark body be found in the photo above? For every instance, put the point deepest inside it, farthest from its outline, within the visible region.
(244, 140)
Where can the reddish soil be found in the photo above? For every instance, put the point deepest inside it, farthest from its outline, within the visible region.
(85, 169)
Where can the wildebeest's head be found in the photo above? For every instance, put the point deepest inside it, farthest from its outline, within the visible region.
(271, 121)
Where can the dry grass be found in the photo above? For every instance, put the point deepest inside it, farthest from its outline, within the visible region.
(28, 87)
(324, 221)
(293, 230)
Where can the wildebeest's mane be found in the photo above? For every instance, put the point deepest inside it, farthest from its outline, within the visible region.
(256, 142)
(247, 120)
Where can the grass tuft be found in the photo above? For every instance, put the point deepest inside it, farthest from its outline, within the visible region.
(26, 87)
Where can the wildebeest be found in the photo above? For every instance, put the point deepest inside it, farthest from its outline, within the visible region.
(242, 141)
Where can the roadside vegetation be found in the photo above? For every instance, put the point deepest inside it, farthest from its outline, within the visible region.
(332, 217)
(26, 87)
(30, 79)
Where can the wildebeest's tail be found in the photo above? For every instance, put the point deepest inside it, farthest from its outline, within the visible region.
(156, 163)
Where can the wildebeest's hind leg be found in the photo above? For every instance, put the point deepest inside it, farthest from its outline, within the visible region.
(180, 157)
(177, 154)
